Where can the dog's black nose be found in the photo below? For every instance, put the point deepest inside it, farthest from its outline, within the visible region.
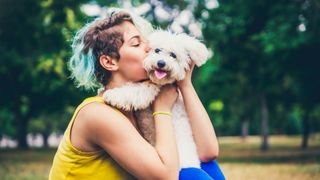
(161, 63)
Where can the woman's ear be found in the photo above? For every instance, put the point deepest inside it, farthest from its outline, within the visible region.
(108, 63)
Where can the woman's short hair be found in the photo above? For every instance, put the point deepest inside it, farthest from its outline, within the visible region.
(102, 36)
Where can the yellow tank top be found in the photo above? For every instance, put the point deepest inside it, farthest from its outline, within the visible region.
(71, 163)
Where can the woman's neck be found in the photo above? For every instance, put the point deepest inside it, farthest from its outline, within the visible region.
(116, 81)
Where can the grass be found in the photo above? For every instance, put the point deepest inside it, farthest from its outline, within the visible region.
(31, 164)
(284, 160)
(238, 159)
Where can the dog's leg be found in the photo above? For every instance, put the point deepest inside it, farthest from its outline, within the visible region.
(146, 125)
(187, 148)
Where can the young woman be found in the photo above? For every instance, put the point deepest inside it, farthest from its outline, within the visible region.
(102, 142)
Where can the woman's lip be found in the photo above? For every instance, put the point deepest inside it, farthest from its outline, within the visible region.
(147, 79)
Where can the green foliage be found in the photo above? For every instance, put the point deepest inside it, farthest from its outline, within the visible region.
(6, 123)
(33, 54)
(260, 48)
(53, 122)
(216, 106)
(315, 116)
(293, 124)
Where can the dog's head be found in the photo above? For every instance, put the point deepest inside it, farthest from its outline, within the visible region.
(171, 54)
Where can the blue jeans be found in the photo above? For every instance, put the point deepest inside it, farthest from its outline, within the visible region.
(209, 170)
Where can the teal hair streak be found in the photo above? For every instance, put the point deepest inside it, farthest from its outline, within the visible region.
(81, 64)
(82, 68)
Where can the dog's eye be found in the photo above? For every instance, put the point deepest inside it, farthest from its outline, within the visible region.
(157, 50)
(173, 55)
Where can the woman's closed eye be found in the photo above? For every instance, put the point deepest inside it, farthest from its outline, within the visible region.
(136, 42)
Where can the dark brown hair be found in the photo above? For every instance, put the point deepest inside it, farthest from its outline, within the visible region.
(104, 37)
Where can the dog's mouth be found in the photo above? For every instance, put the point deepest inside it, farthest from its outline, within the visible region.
(160, 74)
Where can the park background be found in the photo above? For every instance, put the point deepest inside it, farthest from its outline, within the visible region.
(261, 85)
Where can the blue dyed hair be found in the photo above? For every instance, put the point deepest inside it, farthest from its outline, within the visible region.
(82, 66)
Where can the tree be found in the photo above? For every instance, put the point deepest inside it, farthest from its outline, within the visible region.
(253, 42)
(33, 52)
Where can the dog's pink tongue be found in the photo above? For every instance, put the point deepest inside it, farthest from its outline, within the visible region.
(160, 74)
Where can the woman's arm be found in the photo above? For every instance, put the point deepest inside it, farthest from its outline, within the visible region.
(203, 131)
(114, 133)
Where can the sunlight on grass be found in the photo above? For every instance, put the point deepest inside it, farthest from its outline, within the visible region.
(32, 171)
(242, 159)
(239, 160)
(284, 171)
(25, 164)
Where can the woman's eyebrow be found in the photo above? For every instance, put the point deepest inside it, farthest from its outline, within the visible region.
(133, 37)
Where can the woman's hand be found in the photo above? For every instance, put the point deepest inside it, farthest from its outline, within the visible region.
(166, 98)
(187, 80)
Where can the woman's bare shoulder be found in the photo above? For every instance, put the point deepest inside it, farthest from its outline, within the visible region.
(96, 113)
(100, 119)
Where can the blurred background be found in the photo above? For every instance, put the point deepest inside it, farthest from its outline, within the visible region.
(261, 85)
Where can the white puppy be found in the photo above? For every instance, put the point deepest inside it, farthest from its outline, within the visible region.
(168, 60)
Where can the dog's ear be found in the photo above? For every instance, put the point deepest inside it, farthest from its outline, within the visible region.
(196, 50)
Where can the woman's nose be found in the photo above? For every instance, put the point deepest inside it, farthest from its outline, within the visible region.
(147, 47)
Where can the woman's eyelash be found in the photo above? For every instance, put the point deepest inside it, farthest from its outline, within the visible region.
(136, 43)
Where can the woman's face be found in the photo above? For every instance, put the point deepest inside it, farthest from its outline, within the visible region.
(132, 53)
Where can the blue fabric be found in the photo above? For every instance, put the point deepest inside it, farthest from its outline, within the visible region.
(213, 169)
(193, 174)
(208, 171)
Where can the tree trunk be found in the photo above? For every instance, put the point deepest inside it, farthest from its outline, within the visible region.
(22, 132)
(305, 130)
(264, 123)
(45, 139)
(21, 123)
(244, 129)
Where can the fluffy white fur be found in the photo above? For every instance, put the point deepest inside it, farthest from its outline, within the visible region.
(137, 96)
(132, 96)
(186, 48)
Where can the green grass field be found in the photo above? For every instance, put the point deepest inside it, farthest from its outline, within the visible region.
(238, 159)
(284, 160)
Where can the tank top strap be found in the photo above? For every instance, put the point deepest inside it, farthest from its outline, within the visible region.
(84, 103)
(94, 99)
(91, 99)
